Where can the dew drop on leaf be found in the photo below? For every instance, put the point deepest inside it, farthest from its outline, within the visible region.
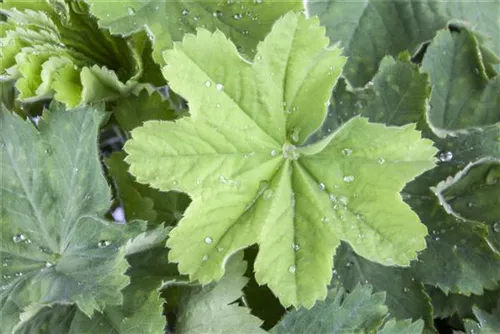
(274, 153)
(268, 194)
(322, 186)
(131, 11)
(258, 1)
(18, 274)
(343, 200)
(332, 197)
(196, 18)
(48, 264)
(185, 12)
(208, 83)
(347, 151)
(223, 180)
(292, 269)
(205, 258)
(445, 156)
(245, 32)
(18, 238)
(348, 264)
(238, 16)
(380, 161)
(217, 13)
(219, 87)
(103, 243)
(496, 227)
(324, 220)
(208, 240)
(406, 289)
(220, 249)
(295, 247)
(348, 178)
(48, 151)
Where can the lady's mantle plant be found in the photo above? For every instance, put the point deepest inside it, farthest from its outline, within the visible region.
(239, 157)
(351, 189)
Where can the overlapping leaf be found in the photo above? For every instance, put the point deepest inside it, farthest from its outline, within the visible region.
(55, 247)
(57, 51)
(488, 323)
(463, 94)
(371, 29)
(246, 22)
(359, 311)
(236, 158)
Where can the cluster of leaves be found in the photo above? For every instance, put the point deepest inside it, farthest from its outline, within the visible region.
(291, 167)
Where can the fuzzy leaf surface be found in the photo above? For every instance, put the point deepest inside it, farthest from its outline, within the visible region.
(246, 22)
(238, 147)
(55, 246)
(488, 323)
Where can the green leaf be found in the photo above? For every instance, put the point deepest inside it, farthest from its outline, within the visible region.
(133, 110)
(488, 323)
(371, 29)
(462, 94)
(405, 296)
(59, 52)
(142, 202)
(403, 326)
(141, 311)
(358, 311)
(210, 309)
(235, 157)
(246, 22)
(55, 247)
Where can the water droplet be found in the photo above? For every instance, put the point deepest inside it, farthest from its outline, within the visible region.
(496, 227)
(258, 1)
(348, 264)
(322, 186)
(48, 151)
(219, 87)
(292, 269)
(445, 156)
(347, 151)
(196, 18)
(245, 32)
(18, 238)
(295, 247)
(218, 105)
(348, 178)
(220, 249)
(332, 197)
(208, 83)
(223, 180)
(185, 12)
(48, 264)
(268, 194)
(380, 161)
(471, 204)
(19, 274)
(205, 258)
(406, 289)
(217, 13)
(238, 16)
(343, 200)
(208, 240)
(6, 276)
(131, 11)
(103, 243)
(324, 220)
(274, 153)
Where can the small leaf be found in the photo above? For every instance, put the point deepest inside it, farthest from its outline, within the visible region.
(358, 311)
(55, 247)
(488, 323)
(210, 310)
(403, 326)
(235, 156)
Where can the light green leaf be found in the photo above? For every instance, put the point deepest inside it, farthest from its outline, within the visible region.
(370, 29)
(142, 202)
(488, 323)
(59, 52)
(210, 310)
(403, 326)
(235, 157)
(462, 94)
(55, 247)
(246, 22)
(357, 312)
(405, 296)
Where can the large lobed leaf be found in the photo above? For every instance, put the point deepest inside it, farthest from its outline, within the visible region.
(55, 246)
(246, 22)
(236, 157)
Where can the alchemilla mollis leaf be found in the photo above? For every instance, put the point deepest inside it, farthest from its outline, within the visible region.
(55, 245)
(239, 158)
